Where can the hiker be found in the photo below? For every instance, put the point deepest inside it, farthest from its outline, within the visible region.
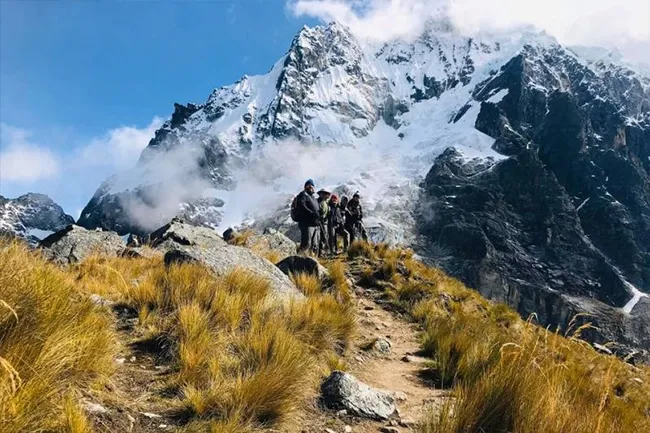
(323, 204)
(306, 212)
(336, 225)
(354, 219)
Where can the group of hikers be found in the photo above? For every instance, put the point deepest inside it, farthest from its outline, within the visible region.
(322, 219)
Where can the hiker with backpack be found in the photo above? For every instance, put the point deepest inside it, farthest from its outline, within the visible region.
(336, 225)
(354, 219)
(323, 204)
(305, 210)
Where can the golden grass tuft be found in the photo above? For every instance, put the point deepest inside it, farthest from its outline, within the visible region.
(506, 374)
(52, 341)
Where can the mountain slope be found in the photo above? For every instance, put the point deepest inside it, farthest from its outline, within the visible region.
(544, 201)
(32, 217)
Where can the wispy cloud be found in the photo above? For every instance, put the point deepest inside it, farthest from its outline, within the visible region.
(23, 161)
(120, 147)
(608, 23)
(69, 175)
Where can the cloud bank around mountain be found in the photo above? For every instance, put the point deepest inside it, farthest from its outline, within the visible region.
(607, 23)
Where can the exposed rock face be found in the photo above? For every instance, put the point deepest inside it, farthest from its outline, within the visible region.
(563, 225)
(344, 391)
(32, 217)
(73, 244)
(178, 232)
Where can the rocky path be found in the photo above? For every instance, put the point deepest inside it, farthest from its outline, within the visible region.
(398, 370)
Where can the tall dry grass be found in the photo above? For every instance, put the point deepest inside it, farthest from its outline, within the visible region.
(53, 344)
(506, 375)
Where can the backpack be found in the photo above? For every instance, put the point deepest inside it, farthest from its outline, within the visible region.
(294, 209)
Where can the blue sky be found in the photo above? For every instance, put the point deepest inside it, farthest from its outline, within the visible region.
(75, 75)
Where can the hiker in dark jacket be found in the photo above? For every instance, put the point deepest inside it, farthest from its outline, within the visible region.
(354, 219)
(308, 215)
(323, 204)
(336, 225)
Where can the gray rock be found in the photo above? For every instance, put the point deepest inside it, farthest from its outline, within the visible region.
(222, 259)
(99, 301)
(73, 244)
(184, 243)
(302, 265)
(94, 408)
(177, 232)
(272, 240)
(382, 346)
(344, 391)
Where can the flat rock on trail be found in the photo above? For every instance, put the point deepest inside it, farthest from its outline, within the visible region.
(387, 372)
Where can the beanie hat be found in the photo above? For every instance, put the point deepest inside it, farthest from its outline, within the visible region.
(334, 197)
(310, 182)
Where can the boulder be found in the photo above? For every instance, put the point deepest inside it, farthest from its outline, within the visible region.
(74, 243)
(343, 391)
(272, 240)
(302, 265)
(184, 243)
(178, 232)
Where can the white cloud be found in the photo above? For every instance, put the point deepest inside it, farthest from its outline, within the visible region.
(120, 147)
(608, 23)
(22, 161)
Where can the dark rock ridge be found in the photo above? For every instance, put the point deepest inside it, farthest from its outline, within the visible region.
(32, 217)
(563, 225)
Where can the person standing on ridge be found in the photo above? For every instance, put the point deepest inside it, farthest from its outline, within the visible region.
(305, 211)
(336, 225)
(323, 204)
(354, 219)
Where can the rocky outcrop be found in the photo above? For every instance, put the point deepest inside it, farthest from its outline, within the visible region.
(343, 391)
(562, 226)
(73, 244)
(184, 243)
(32, 217)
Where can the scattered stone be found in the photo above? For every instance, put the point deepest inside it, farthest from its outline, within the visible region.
(343, 391)
(120, 360)
(329, 430)
(389, 430)
(99, 301)
(162, 426)
(74, 243)
(94, 408)
(342, 412)
(382, 346)
(302, 265)
(133, 358)
(347, 429)
(407, 422)
(407, 358)
(151, 415)
(393, 423)
(358, 358)
(399, 395)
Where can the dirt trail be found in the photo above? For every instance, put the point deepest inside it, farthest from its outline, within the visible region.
(389, 372)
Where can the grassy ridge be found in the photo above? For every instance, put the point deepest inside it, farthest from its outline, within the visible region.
(239, 362)
(508, 375)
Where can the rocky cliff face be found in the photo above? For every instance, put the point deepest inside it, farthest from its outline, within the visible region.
(511, 161)
(32, 217)
(563, 222)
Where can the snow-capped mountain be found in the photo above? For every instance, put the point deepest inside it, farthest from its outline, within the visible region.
(32, 217)
(544, 201)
